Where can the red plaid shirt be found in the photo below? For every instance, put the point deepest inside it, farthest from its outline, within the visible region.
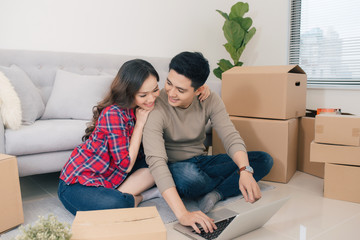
(103, 158)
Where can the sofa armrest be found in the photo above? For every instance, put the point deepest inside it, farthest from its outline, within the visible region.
(2, 136)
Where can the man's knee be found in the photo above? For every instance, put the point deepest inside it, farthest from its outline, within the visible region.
(267, 161)
(188, 178)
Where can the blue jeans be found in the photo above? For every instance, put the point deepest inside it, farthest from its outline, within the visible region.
(200, 175)
(77, 197)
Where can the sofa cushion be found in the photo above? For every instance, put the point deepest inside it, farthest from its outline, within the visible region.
(42, 163)
(74, 95)
(45, 136)
(32, 105)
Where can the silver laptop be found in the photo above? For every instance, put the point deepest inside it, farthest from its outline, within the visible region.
(232, 224)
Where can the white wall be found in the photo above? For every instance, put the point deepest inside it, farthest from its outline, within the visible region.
(348, 100)
(141, 27)
(151, 28)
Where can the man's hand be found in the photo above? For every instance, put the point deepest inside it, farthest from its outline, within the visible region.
(185, 217)
(249, 187)
(198, 217)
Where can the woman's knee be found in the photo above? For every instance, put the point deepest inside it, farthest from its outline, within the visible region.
(113, 201)
(93, 198)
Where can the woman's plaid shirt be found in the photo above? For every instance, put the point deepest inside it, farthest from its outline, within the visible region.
(103, 158)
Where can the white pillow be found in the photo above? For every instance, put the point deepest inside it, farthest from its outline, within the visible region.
(10, 107)
(74, 95)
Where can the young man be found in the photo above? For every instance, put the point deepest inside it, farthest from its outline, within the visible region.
(173, 142)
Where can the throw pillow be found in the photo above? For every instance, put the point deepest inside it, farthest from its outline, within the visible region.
(10, 106)
(74, 95)
(32, 105)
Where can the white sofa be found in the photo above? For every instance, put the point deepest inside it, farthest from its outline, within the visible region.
(44, 145)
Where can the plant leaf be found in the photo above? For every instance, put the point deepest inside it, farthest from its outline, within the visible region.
(238, 10)
(239, 64)
(225, 64)
(232, 51)
(225, 15)
(218, 72)
(249, 35)
(240, 51)
(233, 33)
(245, 23)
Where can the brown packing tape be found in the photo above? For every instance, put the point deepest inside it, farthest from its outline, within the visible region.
(319, 128)
(356, 132)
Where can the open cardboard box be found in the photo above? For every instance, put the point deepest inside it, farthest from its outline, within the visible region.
(276, 92)
(128, 223)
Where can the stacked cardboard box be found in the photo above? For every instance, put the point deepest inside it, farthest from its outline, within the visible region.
(337, 144)
(264, 103)
(11, 210)
(306, 136)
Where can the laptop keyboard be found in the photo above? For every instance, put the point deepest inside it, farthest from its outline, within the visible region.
(220, 227)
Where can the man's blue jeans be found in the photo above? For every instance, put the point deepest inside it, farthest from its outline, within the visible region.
(200, 175)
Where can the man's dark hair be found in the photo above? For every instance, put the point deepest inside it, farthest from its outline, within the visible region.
(192, 65)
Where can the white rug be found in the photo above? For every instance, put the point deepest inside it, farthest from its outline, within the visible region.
(42, 207)
(45, 206)
(168, 216)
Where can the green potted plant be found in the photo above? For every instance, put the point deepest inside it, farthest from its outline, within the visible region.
(238, 32)
(45, 229)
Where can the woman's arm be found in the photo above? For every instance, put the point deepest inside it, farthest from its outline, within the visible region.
(135, 141)
(122, 147)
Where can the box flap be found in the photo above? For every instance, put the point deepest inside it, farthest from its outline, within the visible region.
(5, 156)
(116, 215)
(129, 223)
(266, 69)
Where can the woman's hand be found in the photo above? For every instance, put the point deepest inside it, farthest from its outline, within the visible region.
(141, 115)
(203, 92)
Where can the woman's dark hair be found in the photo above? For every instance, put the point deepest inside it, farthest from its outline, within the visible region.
(192, 65)
(126, 84)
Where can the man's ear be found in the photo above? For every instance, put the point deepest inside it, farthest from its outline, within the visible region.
(199, 90)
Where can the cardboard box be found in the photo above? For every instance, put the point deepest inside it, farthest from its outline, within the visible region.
(342, 182)
(11, 209)
(337, 129)
(276, 92)
(128, 223)
(306, 136)
(276, 137)
(329, 153)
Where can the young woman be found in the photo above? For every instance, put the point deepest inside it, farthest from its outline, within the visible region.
(108, 169)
